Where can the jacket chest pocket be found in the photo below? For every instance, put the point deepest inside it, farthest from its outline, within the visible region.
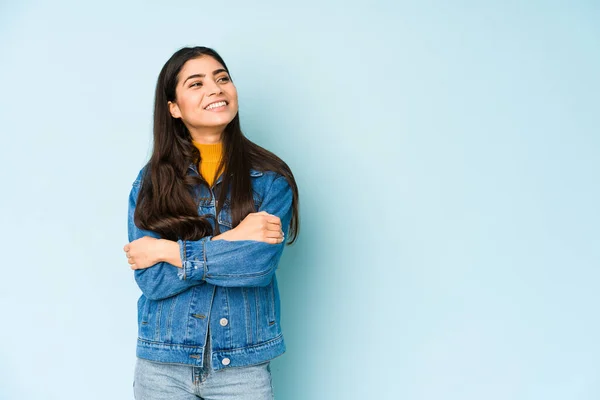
(224, 217)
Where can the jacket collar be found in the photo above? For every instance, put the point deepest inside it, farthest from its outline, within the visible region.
(253, 173)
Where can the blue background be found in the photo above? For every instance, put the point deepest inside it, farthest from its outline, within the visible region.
(448, 159)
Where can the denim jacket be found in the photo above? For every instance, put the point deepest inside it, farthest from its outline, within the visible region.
(227, 285)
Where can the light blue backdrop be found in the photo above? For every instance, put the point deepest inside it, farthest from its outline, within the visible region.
(448, 160)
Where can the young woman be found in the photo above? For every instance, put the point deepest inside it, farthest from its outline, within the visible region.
(208, 218)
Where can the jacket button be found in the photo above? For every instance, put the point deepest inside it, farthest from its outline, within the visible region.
(226, 361)
(223, 321)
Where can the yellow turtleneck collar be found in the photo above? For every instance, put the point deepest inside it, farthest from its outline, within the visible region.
(210, 155)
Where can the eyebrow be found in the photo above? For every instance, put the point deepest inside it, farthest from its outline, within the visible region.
(215, 72)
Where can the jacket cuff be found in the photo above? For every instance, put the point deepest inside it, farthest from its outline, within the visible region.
(193, 259)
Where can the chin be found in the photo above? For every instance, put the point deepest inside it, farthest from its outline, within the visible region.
(223, 121)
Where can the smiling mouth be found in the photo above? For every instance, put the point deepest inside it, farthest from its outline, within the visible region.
(216, 105)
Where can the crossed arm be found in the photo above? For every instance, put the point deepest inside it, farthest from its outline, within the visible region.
(246, 255)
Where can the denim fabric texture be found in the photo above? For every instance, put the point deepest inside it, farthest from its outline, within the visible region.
(228, 285)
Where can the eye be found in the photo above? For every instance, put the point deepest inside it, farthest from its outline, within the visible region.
(224, 79)
(196, 84)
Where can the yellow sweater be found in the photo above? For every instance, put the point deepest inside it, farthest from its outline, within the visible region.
(210, 157)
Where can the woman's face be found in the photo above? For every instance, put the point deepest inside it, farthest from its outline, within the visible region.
(206, 99)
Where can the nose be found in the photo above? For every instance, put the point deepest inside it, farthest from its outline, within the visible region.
(213, 88)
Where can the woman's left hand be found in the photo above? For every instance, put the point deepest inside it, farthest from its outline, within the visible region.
(143, 253)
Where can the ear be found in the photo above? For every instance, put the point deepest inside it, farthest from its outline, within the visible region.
(174, 110)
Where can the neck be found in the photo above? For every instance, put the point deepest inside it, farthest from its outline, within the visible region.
(206, 135)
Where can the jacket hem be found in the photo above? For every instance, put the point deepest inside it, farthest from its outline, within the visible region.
(193, 355)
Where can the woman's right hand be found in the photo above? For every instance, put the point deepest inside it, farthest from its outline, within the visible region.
(260, 226)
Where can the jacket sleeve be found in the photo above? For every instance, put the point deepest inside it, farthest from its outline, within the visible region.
(244, 262)
(161, 280)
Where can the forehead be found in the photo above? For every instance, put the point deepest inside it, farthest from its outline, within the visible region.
(203, 65)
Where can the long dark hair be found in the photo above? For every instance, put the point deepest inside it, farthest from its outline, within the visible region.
(166, 203)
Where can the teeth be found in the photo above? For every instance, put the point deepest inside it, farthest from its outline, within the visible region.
(219, 104)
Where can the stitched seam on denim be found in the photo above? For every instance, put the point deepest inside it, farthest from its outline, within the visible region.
(253, 346)
(209, 316)
(207, 354)
(247, 307)
(225, 276)
(257, 305)
(227, 224)
(184, 261)
(228, 316)
(220, 219)
(271, 185)
(257, 201)
(189, 313)
(170, 318)
(204, 267)
(228, 351)
(171, 345)
(158, 315)
(168, 303)
(271, 300)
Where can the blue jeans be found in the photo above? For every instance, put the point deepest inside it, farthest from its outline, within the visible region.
(160, 381)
